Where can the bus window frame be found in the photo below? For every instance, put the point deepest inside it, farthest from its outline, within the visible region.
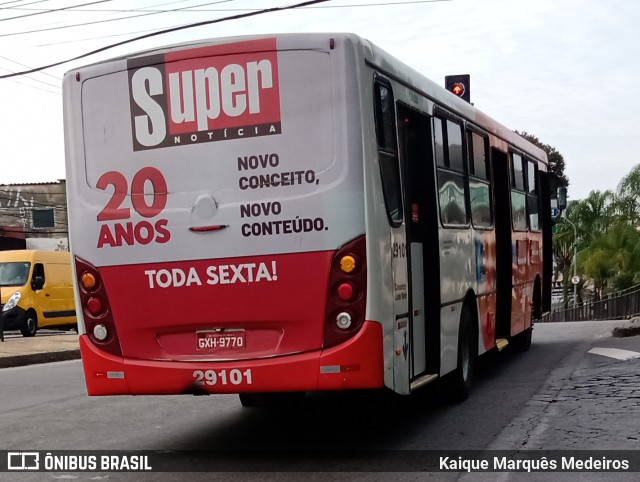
(387, 154)
(445, 118)
(514, 189)
(529, 161)
(487, 180)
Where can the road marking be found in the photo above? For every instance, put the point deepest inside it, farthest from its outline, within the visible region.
(616, 353)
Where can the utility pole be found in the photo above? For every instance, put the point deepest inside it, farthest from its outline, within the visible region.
(575, 262)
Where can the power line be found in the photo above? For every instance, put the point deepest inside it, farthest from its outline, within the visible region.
(24, 4)
(186, 9)
(102, 15)
(58, 88)
(52, 10)
(28, 67)
(146, 14)
(31, 203)
(11, 199)
(75, 40)
(98, 10)
(10, 210)
(59, 92)
(4, 191)
(19, 189)
(169, 30)
(34, 79)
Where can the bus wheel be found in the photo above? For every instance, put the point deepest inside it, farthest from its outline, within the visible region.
(30, 325)
(460, 380)
(522, 341)
(277, 399)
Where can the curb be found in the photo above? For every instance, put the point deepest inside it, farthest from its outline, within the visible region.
(630, 328)
(36, 358)
(624, 331)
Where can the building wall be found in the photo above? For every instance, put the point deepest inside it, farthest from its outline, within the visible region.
(34, 216)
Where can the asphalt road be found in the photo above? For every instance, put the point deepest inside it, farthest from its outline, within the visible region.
(520, 401)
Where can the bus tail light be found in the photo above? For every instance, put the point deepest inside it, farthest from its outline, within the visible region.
(100, 332)
(345, 291)
(96, 311)
(343, 320)
(94, 306)
(346, 300)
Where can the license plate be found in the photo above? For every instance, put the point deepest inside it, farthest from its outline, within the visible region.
(216, 340)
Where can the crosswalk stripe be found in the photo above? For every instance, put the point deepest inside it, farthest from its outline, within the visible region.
(616, 353)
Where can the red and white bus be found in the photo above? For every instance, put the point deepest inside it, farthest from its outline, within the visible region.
(291, 213)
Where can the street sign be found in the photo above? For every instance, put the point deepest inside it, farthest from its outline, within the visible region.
(575, 280)
(554, 213)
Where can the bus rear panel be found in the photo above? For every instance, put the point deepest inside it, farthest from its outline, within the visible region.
(216, 206)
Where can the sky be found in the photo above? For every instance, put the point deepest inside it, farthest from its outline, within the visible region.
(566, 71)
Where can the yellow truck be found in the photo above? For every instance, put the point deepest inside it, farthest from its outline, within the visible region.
(36, 290)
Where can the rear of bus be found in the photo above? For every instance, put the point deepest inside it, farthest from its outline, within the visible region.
(217, 219)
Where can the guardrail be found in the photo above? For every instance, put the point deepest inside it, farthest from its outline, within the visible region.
(616, 306)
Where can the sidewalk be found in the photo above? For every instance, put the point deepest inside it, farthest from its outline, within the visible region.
(47, 346)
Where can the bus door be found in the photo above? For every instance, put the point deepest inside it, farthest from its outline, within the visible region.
(504, 252)
(390, 175)
(544, 181)
(422, 257)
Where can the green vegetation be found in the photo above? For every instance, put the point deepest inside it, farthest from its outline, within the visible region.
(608, 238)
(608, 234)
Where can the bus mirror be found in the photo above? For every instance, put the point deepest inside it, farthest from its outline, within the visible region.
(562, 198)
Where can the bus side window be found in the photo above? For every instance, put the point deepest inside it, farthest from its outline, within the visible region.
(532, 196)
(479, 180)
(452, 186)
(518, 198)
(388, 152)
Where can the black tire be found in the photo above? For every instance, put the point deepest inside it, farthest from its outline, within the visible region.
(30, 326)
(536, 306)
(460, 380)
(249, 400)
(522, 341)
(278, 399)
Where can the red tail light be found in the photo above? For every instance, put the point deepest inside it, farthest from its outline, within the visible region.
(95, 308)
(345, 291)
(346, 300)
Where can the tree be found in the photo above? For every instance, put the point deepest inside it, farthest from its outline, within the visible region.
(556, 160)
(612, 259)
(593, 216)
(563, 242)
(563, 257)
(597, 264)
(628, 197)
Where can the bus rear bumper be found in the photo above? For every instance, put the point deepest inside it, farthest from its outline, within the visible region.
(357, 363)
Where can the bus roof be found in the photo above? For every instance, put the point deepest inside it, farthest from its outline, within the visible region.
(405, 74)
(381, 60)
